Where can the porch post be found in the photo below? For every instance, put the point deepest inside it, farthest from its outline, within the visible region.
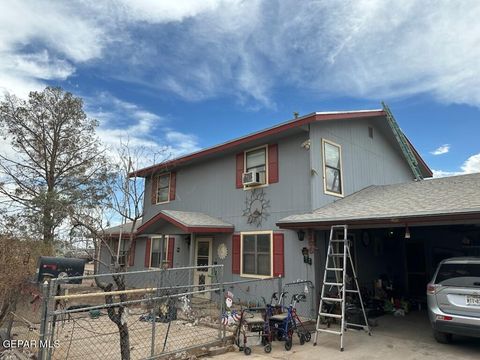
(192, 257)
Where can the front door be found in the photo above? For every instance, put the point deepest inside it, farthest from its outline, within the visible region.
(203, 257)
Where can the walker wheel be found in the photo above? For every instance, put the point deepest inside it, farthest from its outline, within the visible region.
(268, 348)
(288, 344)
(247, 351)
(302, 339)
(308, 336)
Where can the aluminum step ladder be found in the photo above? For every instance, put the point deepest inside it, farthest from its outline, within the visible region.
(338, 257)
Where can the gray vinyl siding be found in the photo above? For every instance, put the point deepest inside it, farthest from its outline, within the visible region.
(365, 161)
(209, 187)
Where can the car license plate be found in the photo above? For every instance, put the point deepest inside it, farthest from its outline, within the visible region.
(473, 300)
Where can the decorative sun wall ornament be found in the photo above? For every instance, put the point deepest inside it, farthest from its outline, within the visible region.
(222, 251)
(256, 207)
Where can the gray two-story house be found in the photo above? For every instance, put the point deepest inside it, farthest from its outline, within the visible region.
(222, 204)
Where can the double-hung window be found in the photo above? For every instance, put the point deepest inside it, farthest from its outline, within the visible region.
(256, 254)
(122, 254)
(256, 160)
(158, 257)
(163, 188)
(332, 168)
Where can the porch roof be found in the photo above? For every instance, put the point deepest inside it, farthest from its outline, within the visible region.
(453, 198)
(188, 222)
(124, 229)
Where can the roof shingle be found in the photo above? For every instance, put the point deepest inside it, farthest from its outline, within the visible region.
(440, 196)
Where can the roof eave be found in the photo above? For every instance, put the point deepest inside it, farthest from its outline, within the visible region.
(304, 120)
(184, 227)
(390, 221)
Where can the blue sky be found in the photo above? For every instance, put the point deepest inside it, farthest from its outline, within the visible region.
(188, 74)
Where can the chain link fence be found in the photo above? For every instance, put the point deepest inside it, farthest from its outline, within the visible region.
(23, 337)
(305, 309)
(145, 314)
(133, 315)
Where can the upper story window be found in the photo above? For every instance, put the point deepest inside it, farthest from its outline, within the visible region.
(256, 160)
(332, 168)
(255, 167)
(163, 188)
(256, 254)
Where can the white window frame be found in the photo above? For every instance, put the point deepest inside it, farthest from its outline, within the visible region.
(325, 190)
(242, 274)
(266, 166)
(152, 239)
(158, 184)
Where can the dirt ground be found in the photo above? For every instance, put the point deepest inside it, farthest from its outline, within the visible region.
(402, 338)
(85, 338)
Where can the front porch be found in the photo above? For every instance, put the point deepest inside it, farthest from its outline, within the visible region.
(179, 239)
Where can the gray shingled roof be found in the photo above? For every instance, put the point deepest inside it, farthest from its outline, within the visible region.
(124, 228)
(195, 219)
(440, 196)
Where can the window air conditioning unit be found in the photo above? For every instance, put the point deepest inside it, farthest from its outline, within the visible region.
(253, 178)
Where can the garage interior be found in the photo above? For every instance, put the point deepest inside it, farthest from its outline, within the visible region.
(394, 264)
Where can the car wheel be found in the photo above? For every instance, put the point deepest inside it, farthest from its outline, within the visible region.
(441, 337)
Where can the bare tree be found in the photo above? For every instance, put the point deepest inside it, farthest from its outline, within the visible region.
(56, 164)
(125, 204)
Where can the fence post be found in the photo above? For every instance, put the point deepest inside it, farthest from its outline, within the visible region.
(280, 286)
(154, 321)
(44, 319)
(312, 301)
(221, 327)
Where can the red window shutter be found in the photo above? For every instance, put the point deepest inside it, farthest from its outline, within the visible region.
(131, 254)
(236, 254)
(148, 244)
(170, 251)
(173, 185)
(154, 189)
(239, 170)
(278, 255)
(272, 164)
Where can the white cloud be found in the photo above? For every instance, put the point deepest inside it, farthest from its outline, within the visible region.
(122, 122)
(215, 48)
(443, 149)
(41, 40)
(153, 11)
(181, 143)
(469, 166)
(472, 164)
(371, 48)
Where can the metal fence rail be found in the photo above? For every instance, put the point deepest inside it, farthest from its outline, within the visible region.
(151, 314)
(132, 315)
